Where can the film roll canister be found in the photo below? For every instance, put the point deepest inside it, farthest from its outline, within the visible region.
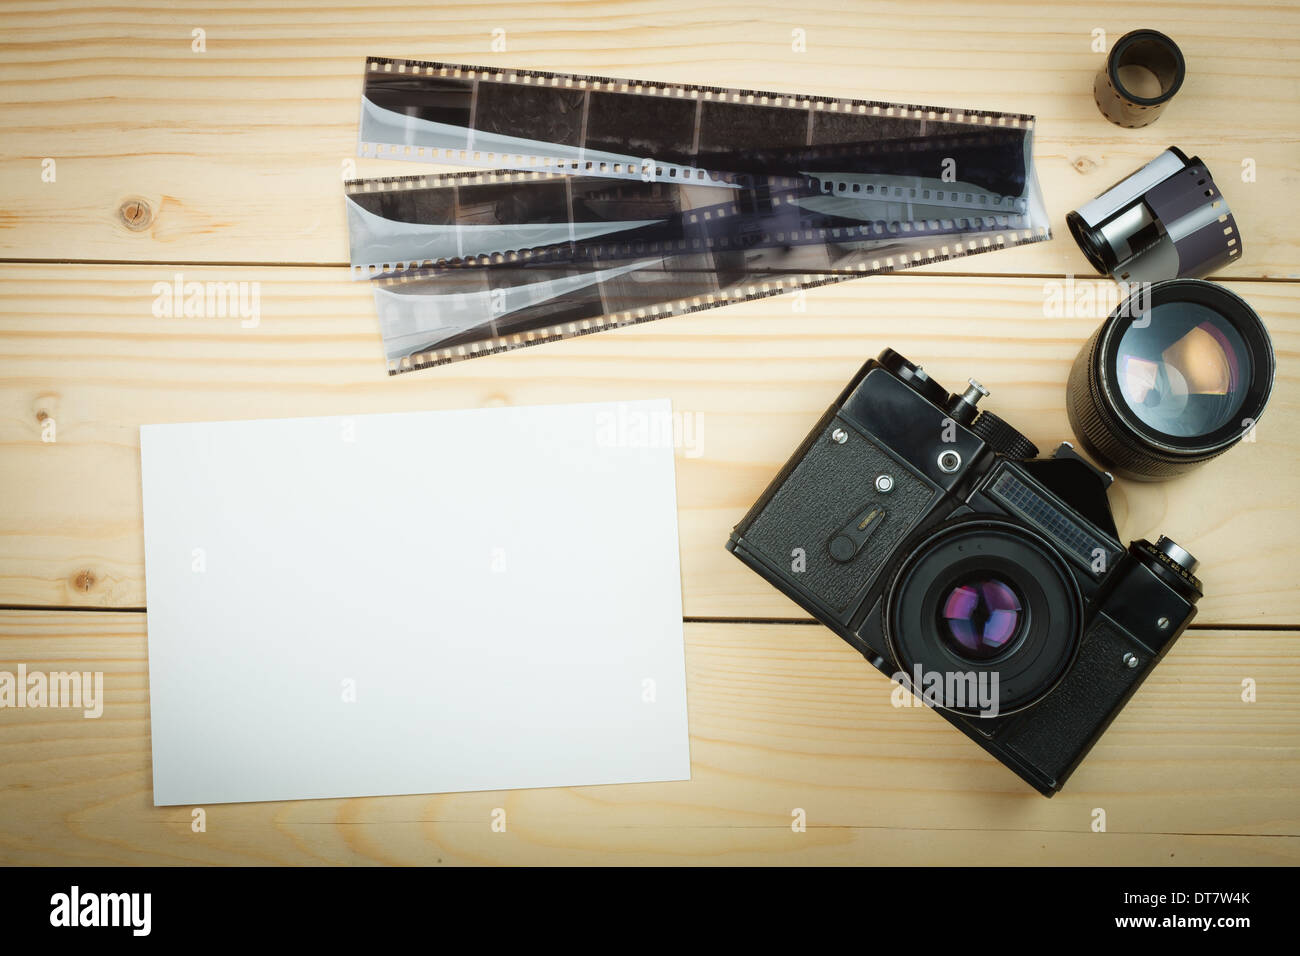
(1135, 57)
(1168, 220)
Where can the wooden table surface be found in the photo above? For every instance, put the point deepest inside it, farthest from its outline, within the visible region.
(232, 160)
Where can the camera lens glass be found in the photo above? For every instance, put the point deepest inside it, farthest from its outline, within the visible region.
(1183, 372)
(1178, 374)
(980, 617)
(987, 610)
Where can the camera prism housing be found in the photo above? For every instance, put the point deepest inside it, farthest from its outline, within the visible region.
(988, 581)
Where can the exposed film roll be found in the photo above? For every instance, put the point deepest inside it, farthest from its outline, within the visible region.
(1141, 75)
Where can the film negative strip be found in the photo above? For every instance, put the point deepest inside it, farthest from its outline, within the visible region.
(625, 201)
(629, 129)
(435, 316)
(398, 224)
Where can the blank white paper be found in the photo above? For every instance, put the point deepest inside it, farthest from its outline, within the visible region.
(413, 603)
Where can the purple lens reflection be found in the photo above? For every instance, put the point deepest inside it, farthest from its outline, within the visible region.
(980, 618)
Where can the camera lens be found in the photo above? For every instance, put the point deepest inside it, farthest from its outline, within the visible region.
(980, 617)
(1184, 373)
(984, 606)
(1177, 375)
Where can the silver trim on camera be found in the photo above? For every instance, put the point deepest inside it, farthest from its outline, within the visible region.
(948, 461)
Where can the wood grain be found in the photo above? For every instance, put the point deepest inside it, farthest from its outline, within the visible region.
(236, 155)
(781, 717)
(80, 347)
(240, 150)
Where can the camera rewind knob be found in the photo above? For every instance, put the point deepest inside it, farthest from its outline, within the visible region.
(1002, 438)
(962, 407)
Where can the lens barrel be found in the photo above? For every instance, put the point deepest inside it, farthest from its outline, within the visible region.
(984, 599)
(1177, 375)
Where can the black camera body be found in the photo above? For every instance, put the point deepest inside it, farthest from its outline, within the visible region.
(990, 582)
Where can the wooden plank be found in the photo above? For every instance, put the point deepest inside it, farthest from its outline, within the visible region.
(782, 717)
(83, 354)
(240, 150)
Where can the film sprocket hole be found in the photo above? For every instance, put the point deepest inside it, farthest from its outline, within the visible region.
(992, 583)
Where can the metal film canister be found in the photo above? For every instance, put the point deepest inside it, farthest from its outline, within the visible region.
(1168, 220)
(1136, 57)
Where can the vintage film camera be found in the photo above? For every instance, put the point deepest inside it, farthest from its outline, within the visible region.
(929, 536)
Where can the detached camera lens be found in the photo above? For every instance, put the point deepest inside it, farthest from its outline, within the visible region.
(1192, 385)
(1174, 377)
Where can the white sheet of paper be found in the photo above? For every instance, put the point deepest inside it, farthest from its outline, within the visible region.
(413, 603)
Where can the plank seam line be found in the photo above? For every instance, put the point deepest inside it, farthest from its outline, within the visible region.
(803, 622)
(268, 264)
(808, 621)
(827, 826)
(73, 607)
